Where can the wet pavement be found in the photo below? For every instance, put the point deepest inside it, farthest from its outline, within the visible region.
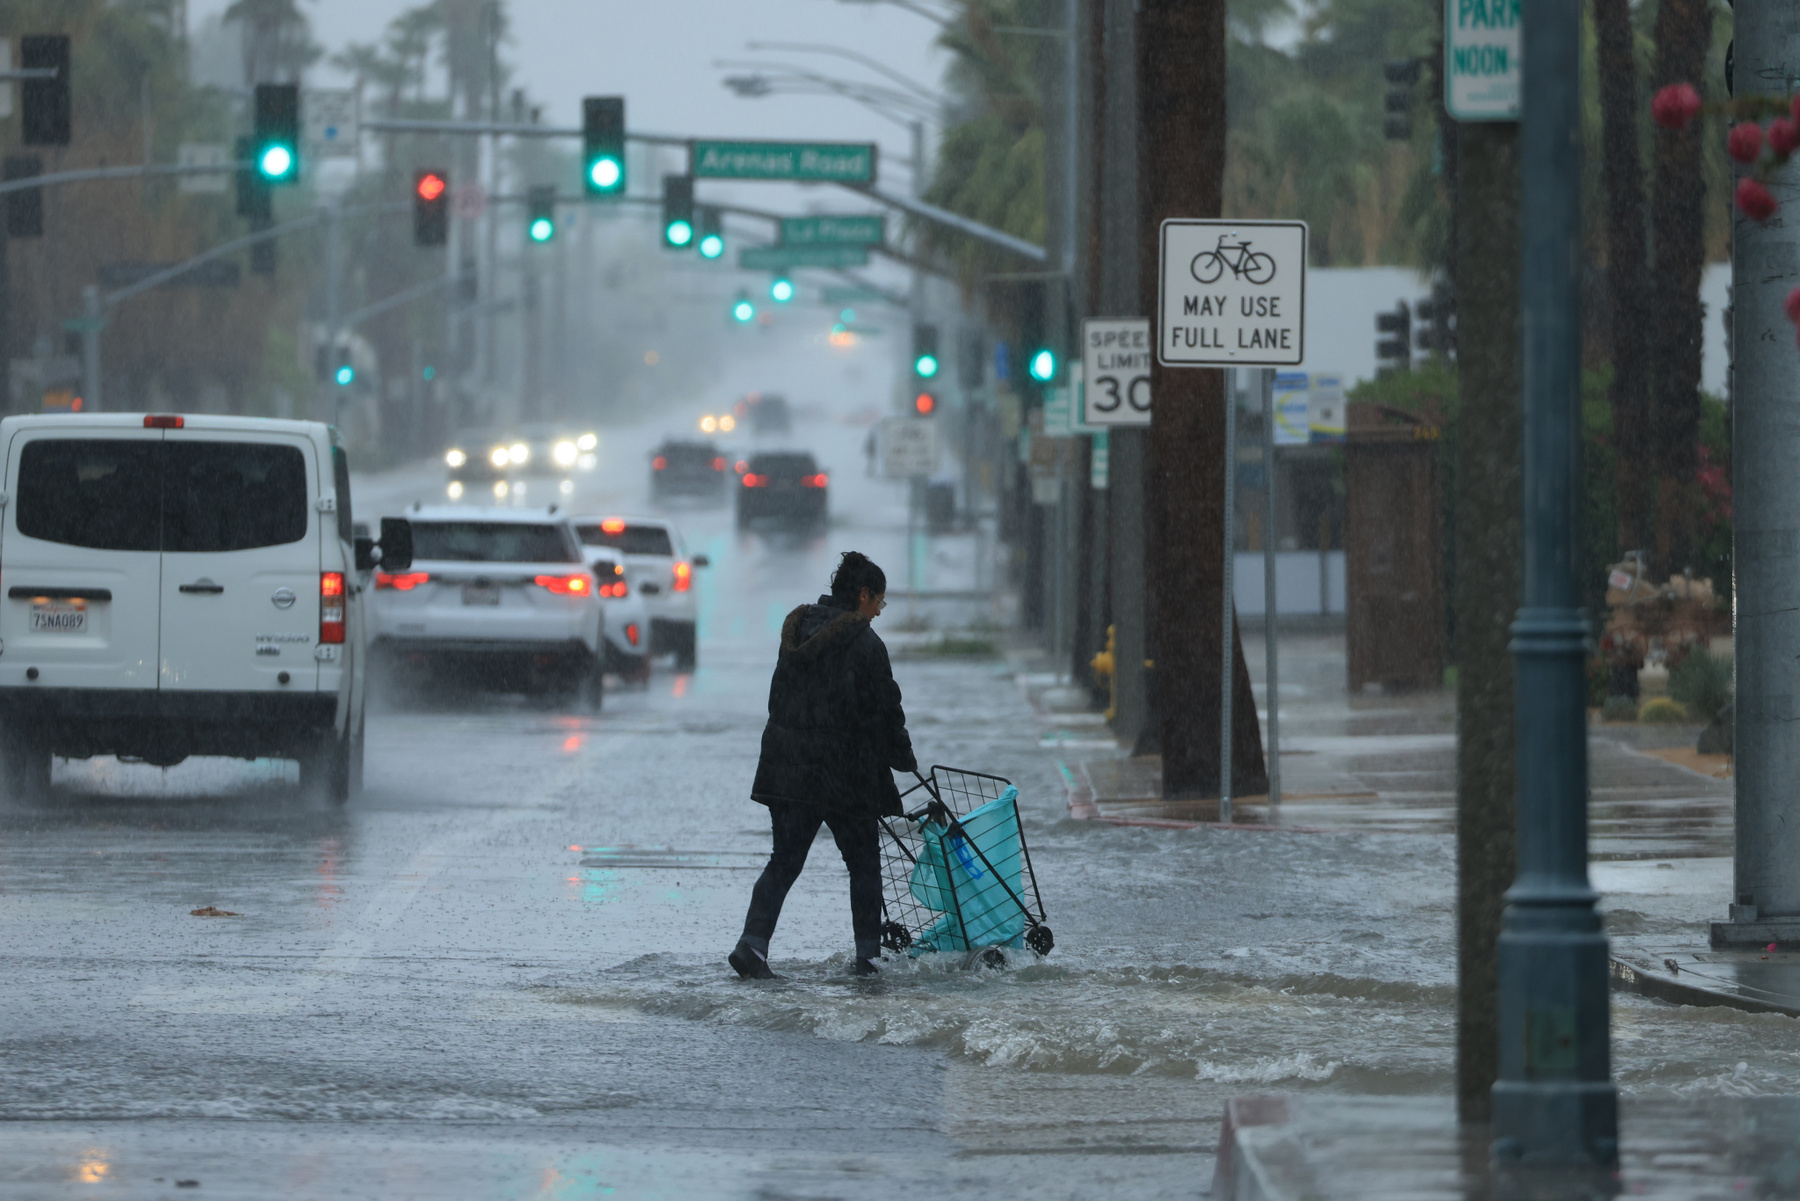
(499, 973)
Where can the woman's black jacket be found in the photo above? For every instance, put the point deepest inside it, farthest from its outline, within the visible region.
(835, 723)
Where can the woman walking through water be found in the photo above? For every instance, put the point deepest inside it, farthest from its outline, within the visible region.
(835, 730)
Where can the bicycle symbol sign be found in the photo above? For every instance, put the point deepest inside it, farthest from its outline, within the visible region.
(1232, 294)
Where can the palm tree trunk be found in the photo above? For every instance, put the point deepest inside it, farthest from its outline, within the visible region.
(1683, 34)
(1626, 272)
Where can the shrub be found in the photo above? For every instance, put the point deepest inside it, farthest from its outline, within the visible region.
(1702, 683)
(1619, 708)
(1663, 711)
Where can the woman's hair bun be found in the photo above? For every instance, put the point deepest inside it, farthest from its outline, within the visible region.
(856, 571)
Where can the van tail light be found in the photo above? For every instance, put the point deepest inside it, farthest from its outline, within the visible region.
(331, 606)
(752, 480)
(815, 481)
(658, 463)
(164, 421)
(684, 575)
(631, 632)
(566, 585)
(402, 581)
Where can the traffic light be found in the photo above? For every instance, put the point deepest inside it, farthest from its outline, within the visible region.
(1394, 352)
(742, 311)
(24, 208)
(45, 119)
(712, 234)
(275, 140)
(1402, 76)
(925, 350)
(254, 200)
(781, 289)
(431, 208)
(678, 211)
(1437, 323)
(924, 404)
(346, 374)
(603, 146)
(540, 223)
(1043, 365)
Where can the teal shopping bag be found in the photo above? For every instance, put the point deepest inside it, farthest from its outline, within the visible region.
(974, 873)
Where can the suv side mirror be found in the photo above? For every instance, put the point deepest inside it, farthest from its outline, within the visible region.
(396, 543)
(365, 553)
(700, 561)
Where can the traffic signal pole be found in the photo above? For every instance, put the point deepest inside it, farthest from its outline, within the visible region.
(1765, 901)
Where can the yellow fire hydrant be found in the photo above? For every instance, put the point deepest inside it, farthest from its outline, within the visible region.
(1102, 665)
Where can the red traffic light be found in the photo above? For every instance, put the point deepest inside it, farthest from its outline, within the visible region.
(430, 186)
(925, 404)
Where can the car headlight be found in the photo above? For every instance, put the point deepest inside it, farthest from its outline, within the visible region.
(518, 452)
(456, 458)
(586, 442)
(565, 454)
(499, 456)
(586, 462)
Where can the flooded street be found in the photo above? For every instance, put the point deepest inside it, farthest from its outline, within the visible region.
(500, 971)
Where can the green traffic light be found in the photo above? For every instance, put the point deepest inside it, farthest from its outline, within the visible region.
(275, 161)
(1043, 366)
(606, 173)
(345, 374)
(782, 290)
(712, 246)
(925, 366)
(542, 229)
(678, 233)
(743, 310)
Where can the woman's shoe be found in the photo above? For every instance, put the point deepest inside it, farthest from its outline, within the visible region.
(748, 963)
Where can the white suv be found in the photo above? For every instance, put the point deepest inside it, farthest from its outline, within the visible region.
(181, 585)
(501, 595)
(661, 571)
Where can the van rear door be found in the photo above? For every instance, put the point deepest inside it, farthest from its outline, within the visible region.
(82, 579)
(241, 561)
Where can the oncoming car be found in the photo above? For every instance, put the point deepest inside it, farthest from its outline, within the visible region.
(498, 597)
(498, 457)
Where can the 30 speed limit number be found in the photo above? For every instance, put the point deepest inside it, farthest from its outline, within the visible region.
(1115, 360)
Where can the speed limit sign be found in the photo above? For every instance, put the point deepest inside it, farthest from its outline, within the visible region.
(1115, 359)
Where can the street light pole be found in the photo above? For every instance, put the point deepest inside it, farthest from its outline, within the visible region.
(1554, 1102)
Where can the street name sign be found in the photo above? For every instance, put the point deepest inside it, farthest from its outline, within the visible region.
(795, 162)
(1481, 59)
(861, 230)
(1115, 366)
(908, 447)
(329, 115)
(780, 258)
(1231, 294)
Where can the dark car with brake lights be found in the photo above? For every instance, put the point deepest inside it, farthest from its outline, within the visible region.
(688, 467)
(785, 488)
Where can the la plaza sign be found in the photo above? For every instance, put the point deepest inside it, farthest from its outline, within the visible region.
(1232, 294)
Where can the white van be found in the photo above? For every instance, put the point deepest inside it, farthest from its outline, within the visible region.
(181, 585)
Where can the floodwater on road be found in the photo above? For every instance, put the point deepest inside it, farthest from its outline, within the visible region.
(500, 972)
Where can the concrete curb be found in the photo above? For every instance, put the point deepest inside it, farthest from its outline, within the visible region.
(1645, 979)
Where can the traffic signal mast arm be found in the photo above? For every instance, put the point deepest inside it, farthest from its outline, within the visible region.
(87, 174)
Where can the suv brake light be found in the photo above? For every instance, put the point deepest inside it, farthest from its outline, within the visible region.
(658, 463)
(565, 585)
(752, 480)
(719, 464)
(815, 481)
(161, 421)
(684, 575)
(331, 606)
(404, 581)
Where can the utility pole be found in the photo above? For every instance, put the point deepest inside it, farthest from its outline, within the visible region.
(1766, 520)
(1120, 296)
(92, 318)
(1181, 102)
(1554, 1104)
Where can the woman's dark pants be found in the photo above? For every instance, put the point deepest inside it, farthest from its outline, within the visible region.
(795, 827)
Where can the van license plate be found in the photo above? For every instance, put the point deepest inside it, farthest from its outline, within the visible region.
(481, 596)
(55, 618)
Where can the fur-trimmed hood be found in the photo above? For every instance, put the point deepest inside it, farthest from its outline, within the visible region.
(812, 630)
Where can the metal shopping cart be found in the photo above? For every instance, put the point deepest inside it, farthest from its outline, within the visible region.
(956, 873)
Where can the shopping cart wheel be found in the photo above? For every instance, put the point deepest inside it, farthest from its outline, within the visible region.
(992, 958)
(895, 937)
(1039, 939)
